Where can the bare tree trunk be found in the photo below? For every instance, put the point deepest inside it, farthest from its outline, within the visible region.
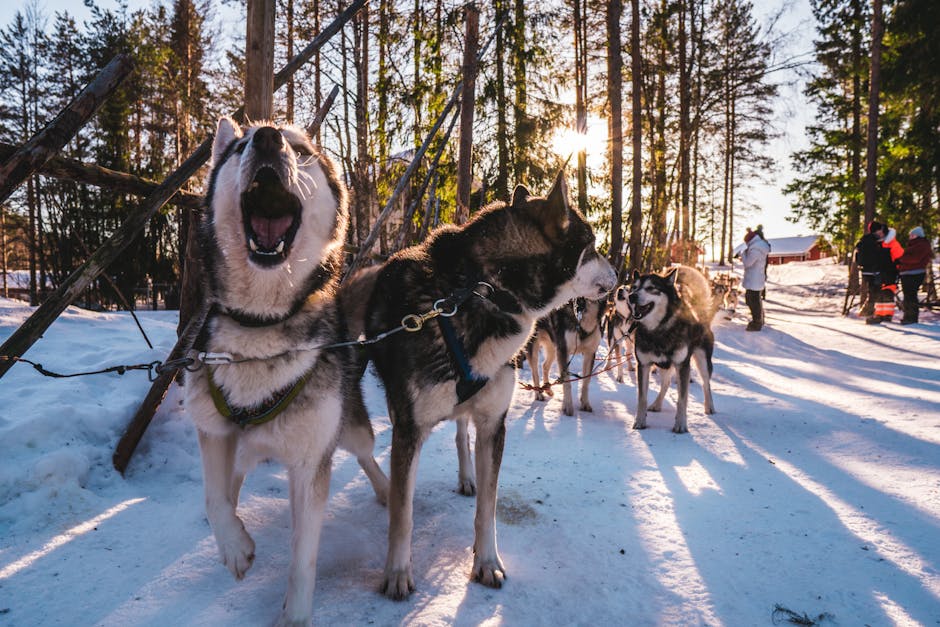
(615, 126)
(580, 86)
(636, 214)
(468, 90)
(685, 97)
(501, 183)
(874, 93)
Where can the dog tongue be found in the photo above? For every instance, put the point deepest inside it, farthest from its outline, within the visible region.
(270, 231)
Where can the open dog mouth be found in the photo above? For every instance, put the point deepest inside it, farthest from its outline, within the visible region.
(641, 310)
(271, 216)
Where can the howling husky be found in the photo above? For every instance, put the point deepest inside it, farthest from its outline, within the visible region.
(491, 279)
(271, 242)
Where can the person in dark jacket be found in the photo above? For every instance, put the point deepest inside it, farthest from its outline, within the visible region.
(912, 266)
(870, 258)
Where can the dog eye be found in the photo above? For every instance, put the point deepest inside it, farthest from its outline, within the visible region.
(240, 147)
(301, 150)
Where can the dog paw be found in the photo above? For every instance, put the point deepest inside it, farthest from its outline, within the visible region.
(710, 410)
(466, 487)
(539, 397)
(237, 550)
(587, 407)
(680, 429)
(490, 572)
(619, 379)
(397, 585)
(568, 410)
(639, 425)
(655, 407)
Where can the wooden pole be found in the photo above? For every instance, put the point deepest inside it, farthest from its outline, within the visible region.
(468, 95)
(141, 420)
(57, 133)
(259, 60)
(71, 170)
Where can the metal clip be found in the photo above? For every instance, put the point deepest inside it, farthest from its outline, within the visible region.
(215, 359)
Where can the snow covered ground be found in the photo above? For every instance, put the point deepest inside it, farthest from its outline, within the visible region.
(816, 487)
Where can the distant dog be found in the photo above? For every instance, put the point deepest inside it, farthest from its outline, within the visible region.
(668, 334)
(619, 327)
(491, 280)
(572, 329)
(725, 291)
(271, 241)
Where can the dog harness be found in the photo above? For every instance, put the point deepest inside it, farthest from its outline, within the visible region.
(267, 411)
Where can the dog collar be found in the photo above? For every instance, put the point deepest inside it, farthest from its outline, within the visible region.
(267, 411)
(245, 319)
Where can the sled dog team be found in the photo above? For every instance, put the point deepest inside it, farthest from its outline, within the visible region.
(441, 322)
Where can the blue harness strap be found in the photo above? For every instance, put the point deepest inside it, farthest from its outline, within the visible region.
(469, 382)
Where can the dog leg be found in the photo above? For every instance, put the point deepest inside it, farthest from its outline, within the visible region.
(488, 569)
(550, 354)
(665, 380)
(701, 363)
(567, 404)
(309, 488)
(533, 357)
(358, 439)
(642, 391)
(236, 548)
(682, 404)
(587, 366)
(407, 440)
(465, 480)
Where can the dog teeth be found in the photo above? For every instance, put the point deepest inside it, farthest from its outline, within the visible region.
(280, 247)
(253, 245)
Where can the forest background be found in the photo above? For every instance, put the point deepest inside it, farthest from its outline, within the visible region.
(671, 108)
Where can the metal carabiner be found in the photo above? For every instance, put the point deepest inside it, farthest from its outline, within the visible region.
(440, 312)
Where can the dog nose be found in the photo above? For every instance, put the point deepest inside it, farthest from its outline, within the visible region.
(633, 299)
(267, 141)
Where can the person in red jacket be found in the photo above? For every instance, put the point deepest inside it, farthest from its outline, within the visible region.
(912, 266)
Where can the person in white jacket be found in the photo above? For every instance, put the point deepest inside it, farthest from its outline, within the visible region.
(754, 258)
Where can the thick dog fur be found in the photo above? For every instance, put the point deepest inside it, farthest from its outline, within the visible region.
(573, 329)
(271, 243)
(668, 335)
(618, 324)
(536, 254)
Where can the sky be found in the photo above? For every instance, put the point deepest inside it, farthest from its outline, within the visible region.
(792, 113)
(815, 487)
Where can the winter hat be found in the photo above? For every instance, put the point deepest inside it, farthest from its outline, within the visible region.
(917, 231)
(749, 235)
(874, 225)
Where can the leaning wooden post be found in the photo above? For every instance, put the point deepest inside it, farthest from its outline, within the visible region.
(141, 420)
(50, 140)
(467, 98)
(71, 170)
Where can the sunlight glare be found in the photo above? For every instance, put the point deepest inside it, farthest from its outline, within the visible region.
(568, 141)
(696, 479)
(65, 538)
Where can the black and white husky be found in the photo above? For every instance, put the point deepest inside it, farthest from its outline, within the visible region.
(271, 243)
(669, 335)
(493, 278)
(573, 329)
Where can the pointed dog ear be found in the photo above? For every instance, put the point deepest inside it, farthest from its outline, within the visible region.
(636, 275)
(671, 275)
(555, 212)
(519, 196)
(226, 132)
